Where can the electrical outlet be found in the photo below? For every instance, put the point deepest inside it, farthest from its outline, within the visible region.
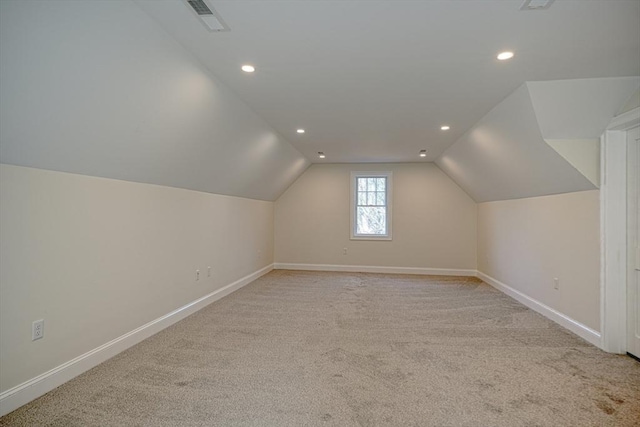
(344, 251)
(556, 283)
(37, 330)
(208, 271)
(197, 275)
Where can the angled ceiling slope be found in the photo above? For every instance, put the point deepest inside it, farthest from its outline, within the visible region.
(579, 108)
(505, 155)
(572, 114)
(100, 89)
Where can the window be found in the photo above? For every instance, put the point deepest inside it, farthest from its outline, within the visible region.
(371, 205)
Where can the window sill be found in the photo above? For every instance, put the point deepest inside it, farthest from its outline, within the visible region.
(387, 238)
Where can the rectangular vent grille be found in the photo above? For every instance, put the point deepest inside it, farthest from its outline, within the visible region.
(208, 16)
(200, 7)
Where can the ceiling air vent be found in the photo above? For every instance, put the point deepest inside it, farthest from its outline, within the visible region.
(200, 7)
(536, 4)
(207, 15)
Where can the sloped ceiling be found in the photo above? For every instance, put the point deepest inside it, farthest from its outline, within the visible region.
(583, 154)
(579, 108)
(632, 103)
(98, 88)
(373, 81)
(140, 91)
(505, 155)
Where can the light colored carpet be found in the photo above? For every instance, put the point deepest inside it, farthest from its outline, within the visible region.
(349, 349)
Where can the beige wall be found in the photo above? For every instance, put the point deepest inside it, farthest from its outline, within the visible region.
(97, 258)
(105, 256)
(434, 221)
(526, 243)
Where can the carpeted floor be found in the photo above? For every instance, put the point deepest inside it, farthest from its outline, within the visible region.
(350, 349)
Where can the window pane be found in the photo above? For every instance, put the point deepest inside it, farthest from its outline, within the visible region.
(371, 198)
(362, 198)
(369, 205)
(371, 221)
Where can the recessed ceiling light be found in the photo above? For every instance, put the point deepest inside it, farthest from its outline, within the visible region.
(503, 56)
(445, 127)
(321, 154)
(248, 68)
(300, 131)
(423, 153)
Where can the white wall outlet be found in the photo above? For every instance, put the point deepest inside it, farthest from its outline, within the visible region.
(556, 283)
(208, 271)
(344, 251)
(197, 275)
(37, 330)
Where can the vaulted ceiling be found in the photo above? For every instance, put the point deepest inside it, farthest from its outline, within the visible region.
(140, 90)
(373, 81)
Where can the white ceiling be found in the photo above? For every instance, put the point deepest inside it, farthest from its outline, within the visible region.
(373, 81)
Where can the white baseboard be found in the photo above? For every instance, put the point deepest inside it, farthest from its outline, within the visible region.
(36, 387)
(563, 320)
(375, 269)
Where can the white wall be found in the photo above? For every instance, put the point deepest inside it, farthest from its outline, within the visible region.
(96, 258)
(434, 221)
(526, 243)
(99, 88)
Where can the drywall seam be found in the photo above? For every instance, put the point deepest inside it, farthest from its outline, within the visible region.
(375, 269)
(36, 387)
(563, 320)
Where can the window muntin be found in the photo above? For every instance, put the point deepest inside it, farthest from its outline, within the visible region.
(371, 205)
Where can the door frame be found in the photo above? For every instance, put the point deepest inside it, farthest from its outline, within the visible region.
(613, 232)
(633, 191)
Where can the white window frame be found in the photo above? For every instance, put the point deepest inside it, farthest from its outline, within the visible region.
(354, 198)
